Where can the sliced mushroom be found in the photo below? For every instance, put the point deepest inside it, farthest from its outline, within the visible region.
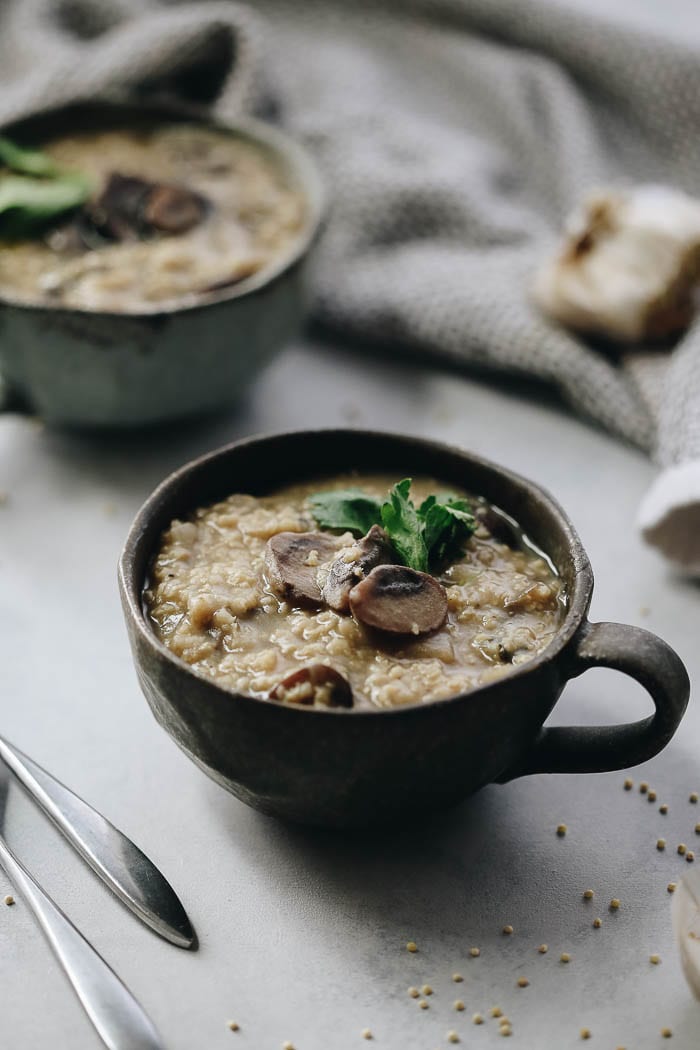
(173, 209)
(130, 207)
(354, 564)
(317, 685)
(293, 559)
(399, 600)
(116, 213)
(431, 647)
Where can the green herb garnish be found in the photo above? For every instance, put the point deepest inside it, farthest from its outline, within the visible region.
(424, 537)
(25, 161)
(405, 528)
(348, 509)
(34, 192)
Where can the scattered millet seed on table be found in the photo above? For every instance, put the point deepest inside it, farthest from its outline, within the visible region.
(452, 1037)
(693, 797)
(459, 1005)
(690, 856)
(671, 887)
(523, 982)
(507, 930)
(565, 957)
(411, 946)
(413, 992)
(661, 844)
(366, 1033)
(475, 952)
(504, 1022)
(287, 1045)
(597, 923)
(234, 1026)
(588, 895)
(424, 1004)
(505, 1030)
(666, 1033)
(697, 829)
(585, 1033)
(543, 949)
(628, 784)
(663, 809)
(426, 990)
(9, 900)
(457, 978)
(614, 904)
(655, 960)
(496, 1011)
(477, 1019)
(561, 830)
(682, 848)
(643, 788)
(651, 797)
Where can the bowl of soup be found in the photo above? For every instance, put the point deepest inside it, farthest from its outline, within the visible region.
(346, 627)
(172, 283)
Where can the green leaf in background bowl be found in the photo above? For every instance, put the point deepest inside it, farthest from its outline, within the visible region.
(27, 204)
(25, 161)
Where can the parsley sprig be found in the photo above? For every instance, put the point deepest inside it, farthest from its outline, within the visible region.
(424, 537)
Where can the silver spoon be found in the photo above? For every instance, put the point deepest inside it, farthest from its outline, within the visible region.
(119, 863)
(118, 1018)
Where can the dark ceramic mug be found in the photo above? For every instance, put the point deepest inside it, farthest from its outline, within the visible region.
(349, 768)
(90, 368)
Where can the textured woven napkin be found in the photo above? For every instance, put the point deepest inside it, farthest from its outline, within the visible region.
(456, 135)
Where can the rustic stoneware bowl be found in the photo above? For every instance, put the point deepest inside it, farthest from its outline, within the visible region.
(344, 768)
(91, 368)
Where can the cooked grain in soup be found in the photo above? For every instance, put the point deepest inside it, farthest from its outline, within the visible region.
(219, 597)
(234, 213)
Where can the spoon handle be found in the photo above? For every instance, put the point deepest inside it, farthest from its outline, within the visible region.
(118, 1018)
(119, 863)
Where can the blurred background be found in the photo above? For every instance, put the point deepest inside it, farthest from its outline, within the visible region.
(456, 142)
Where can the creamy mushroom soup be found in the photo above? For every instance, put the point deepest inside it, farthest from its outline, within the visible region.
(255, 595)
(173, 212)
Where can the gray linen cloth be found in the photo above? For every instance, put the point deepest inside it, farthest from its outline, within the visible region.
(456, 135)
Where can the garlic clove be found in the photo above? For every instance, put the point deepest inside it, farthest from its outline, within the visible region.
(628, 267)
(686, 927)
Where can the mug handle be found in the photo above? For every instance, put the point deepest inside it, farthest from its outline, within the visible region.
(599, 749)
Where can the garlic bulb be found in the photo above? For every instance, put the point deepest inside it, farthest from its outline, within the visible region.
(629, 266)
(686, 926)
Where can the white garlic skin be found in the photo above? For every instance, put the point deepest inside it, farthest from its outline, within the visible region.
(629, 265)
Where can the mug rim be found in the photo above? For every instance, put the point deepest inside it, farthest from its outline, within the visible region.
(131, 588)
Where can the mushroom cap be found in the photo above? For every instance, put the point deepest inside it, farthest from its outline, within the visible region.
(318, 685)
(130, 207)
(173, 209)
(293, 559)
(399, 600)
(373, 549)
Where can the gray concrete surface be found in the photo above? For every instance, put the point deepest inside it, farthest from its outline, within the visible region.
(302, 933)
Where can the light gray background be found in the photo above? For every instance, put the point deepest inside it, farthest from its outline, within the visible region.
(302, 933)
